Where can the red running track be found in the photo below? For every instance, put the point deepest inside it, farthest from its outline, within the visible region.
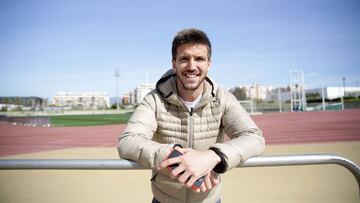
(278, 128)
(24, 139)
(308, 127)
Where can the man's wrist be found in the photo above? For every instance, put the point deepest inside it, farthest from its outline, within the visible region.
(222, 166)
(216, 158)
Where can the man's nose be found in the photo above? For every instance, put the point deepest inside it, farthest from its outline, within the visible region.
(192, 64)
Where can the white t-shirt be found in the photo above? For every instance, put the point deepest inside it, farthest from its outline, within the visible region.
(191, 105)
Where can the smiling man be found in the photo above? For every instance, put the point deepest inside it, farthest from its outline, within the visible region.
(190, 113)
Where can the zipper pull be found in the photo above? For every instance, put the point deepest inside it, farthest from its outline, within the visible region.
(191, 111)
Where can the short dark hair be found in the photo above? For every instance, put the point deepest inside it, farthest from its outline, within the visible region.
(191, 35)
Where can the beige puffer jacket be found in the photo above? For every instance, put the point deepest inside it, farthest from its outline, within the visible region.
(162, 120)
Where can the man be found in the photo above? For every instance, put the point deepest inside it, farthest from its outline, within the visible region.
(188, 109)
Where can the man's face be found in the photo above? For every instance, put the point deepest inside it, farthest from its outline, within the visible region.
(191, 65)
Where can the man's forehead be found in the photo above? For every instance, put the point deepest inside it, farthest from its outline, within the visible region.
(198, 49)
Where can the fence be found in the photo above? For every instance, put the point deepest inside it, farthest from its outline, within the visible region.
(30, 121)
(266, 107)
(111, 164)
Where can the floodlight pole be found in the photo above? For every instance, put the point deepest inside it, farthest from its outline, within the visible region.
(117, 75)
(343, 80)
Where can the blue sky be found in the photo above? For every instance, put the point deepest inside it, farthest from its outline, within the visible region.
(51, 46)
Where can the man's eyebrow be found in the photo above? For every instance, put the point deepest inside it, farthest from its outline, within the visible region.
(184, 55)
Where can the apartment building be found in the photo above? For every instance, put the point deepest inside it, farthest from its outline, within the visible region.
(82, 100)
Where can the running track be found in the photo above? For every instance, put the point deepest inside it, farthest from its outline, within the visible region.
(278, 128)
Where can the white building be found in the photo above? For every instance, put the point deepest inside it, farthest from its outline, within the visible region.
(82, 100)
(336, 92)
(141, 91)
(256, 91)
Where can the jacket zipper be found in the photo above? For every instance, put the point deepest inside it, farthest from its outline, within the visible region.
(190, 140)
(191, 128)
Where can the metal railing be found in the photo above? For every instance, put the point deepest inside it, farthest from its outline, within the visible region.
(118, 164)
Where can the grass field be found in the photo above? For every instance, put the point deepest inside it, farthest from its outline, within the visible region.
(88, 120)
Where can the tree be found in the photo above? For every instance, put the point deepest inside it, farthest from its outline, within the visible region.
(239, 93)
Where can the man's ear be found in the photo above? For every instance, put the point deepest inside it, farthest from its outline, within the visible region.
(173, 65)
(209, 65)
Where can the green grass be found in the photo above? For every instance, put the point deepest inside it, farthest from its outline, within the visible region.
(89, 120)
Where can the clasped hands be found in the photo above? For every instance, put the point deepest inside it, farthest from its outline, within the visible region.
(193, 165)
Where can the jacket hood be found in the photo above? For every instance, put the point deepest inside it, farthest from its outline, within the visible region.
(165, 90)
(166, 87)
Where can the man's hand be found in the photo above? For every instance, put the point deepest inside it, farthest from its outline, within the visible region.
(211, 180)
(193, 165)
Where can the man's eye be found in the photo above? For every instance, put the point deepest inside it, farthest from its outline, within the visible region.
(200, 59)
